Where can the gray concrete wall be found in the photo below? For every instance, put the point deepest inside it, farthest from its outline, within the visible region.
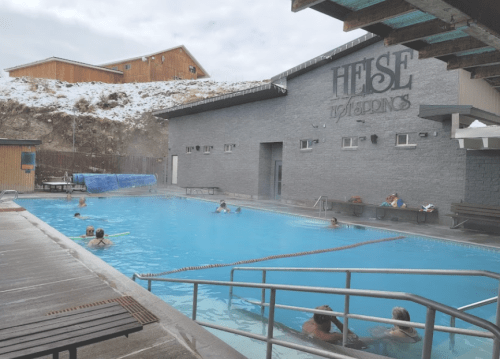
(483, 177)
(432, 171)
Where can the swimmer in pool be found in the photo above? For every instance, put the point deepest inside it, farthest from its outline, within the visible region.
(334, 223)
(81, 202)
(89, 232)
(79, 216)
(320, 324)
(238, 210)
(398, 341)
(223, 207)
(68, 197)
(99, 240)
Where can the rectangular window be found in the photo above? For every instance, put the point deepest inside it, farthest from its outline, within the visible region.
(128, 66)
(306, 144)
(403, 139)
(206, 149)
(189, 150)
(192, 69)
(228, 148)
(114, 68)
(349, 142)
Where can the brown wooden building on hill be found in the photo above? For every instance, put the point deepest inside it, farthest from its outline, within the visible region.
(172, 64)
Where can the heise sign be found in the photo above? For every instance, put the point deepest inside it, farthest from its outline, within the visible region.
(380, 75)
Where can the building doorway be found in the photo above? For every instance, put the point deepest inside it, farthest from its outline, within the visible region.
(270, 170)
(175, 160)
(277, 180)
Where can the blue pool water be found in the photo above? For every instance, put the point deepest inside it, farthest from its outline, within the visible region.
(171, 233)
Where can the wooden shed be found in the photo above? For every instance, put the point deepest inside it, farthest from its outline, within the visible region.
(17, 164)
(66, 70)
(175, 63)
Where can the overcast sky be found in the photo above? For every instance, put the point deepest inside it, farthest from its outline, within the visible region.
(233, 40)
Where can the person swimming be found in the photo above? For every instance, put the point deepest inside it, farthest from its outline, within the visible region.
(81, 202)
(99, 240)
(334, 223)
(89, 232)
(79, 216)
(223, 207)
(238, 210)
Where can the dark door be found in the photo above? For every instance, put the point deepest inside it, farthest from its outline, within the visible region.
(277, 180)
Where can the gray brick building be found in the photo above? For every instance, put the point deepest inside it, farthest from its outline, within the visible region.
(345, 123)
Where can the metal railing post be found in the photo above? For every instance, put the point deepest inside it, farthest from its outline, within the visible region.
(452, 335)
(496, 341)
(430, 318)
(149, 285)
(270, 325)
(195, 300)
(346, 309)
(263, 295)
(230, 302)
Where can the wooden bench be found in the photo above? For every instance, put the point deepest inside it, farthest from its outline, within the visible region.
(51, 334)
(464, 212)
(201, 188)
(61, 186)
(380, 211)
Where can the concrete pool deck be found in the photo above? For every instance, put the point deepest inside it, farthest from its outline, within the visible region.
(44, 271)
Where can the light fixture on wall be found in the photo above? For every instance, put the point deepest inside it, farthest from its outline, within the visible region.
(315, 126)
(362, 121)
(423, 134)
(362, 138)
(373, 138)
(316, 141)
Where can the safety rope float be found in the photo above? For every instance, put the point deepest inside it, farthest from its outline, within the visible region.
(298, 254)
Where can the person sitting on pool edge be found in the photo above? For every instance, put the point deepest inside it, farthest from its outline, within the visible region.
(99, 240)
(81, 202)
(334, 223)
(320, 324)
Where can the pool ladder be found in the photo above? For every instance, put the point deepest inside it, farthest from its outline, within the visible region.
(8, 191)
(323, 205)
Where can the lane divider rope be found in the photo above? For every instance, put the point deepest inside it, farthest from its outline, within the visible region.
(278, 256)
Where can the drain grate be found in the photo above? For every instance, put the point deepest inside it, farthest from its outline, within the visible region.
(140, 313)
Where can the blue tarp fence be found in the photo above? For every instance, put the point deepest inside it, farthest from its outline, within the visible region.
(98, 183)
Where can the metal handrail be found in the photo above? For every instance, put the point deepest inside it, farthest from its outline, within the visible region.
(463, 309)
(432, 307)
(349, 271)
(8, 191)
(322, 204)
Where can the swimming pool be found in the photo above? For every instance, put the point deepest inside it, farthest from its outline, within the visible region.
(171, 233)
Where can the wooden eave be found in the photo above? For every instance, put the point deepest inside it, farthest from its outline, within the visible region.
(463, 33)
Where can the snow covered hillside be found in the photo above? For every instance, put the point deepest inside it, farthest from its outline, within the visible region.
(118, 102)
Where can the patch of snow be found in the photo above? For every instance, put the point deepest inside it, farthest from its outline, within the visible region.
(476, 123)
(129, 101)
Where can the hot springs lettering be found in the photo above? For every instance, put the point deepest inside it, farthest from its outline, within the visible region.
(372, 76)
(381, 105)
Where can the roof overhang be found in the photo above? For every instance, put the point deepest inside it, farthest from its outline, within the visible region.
(58, 59)
(4, 141)
(259, 93)
(463, 33)
(467, 114)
